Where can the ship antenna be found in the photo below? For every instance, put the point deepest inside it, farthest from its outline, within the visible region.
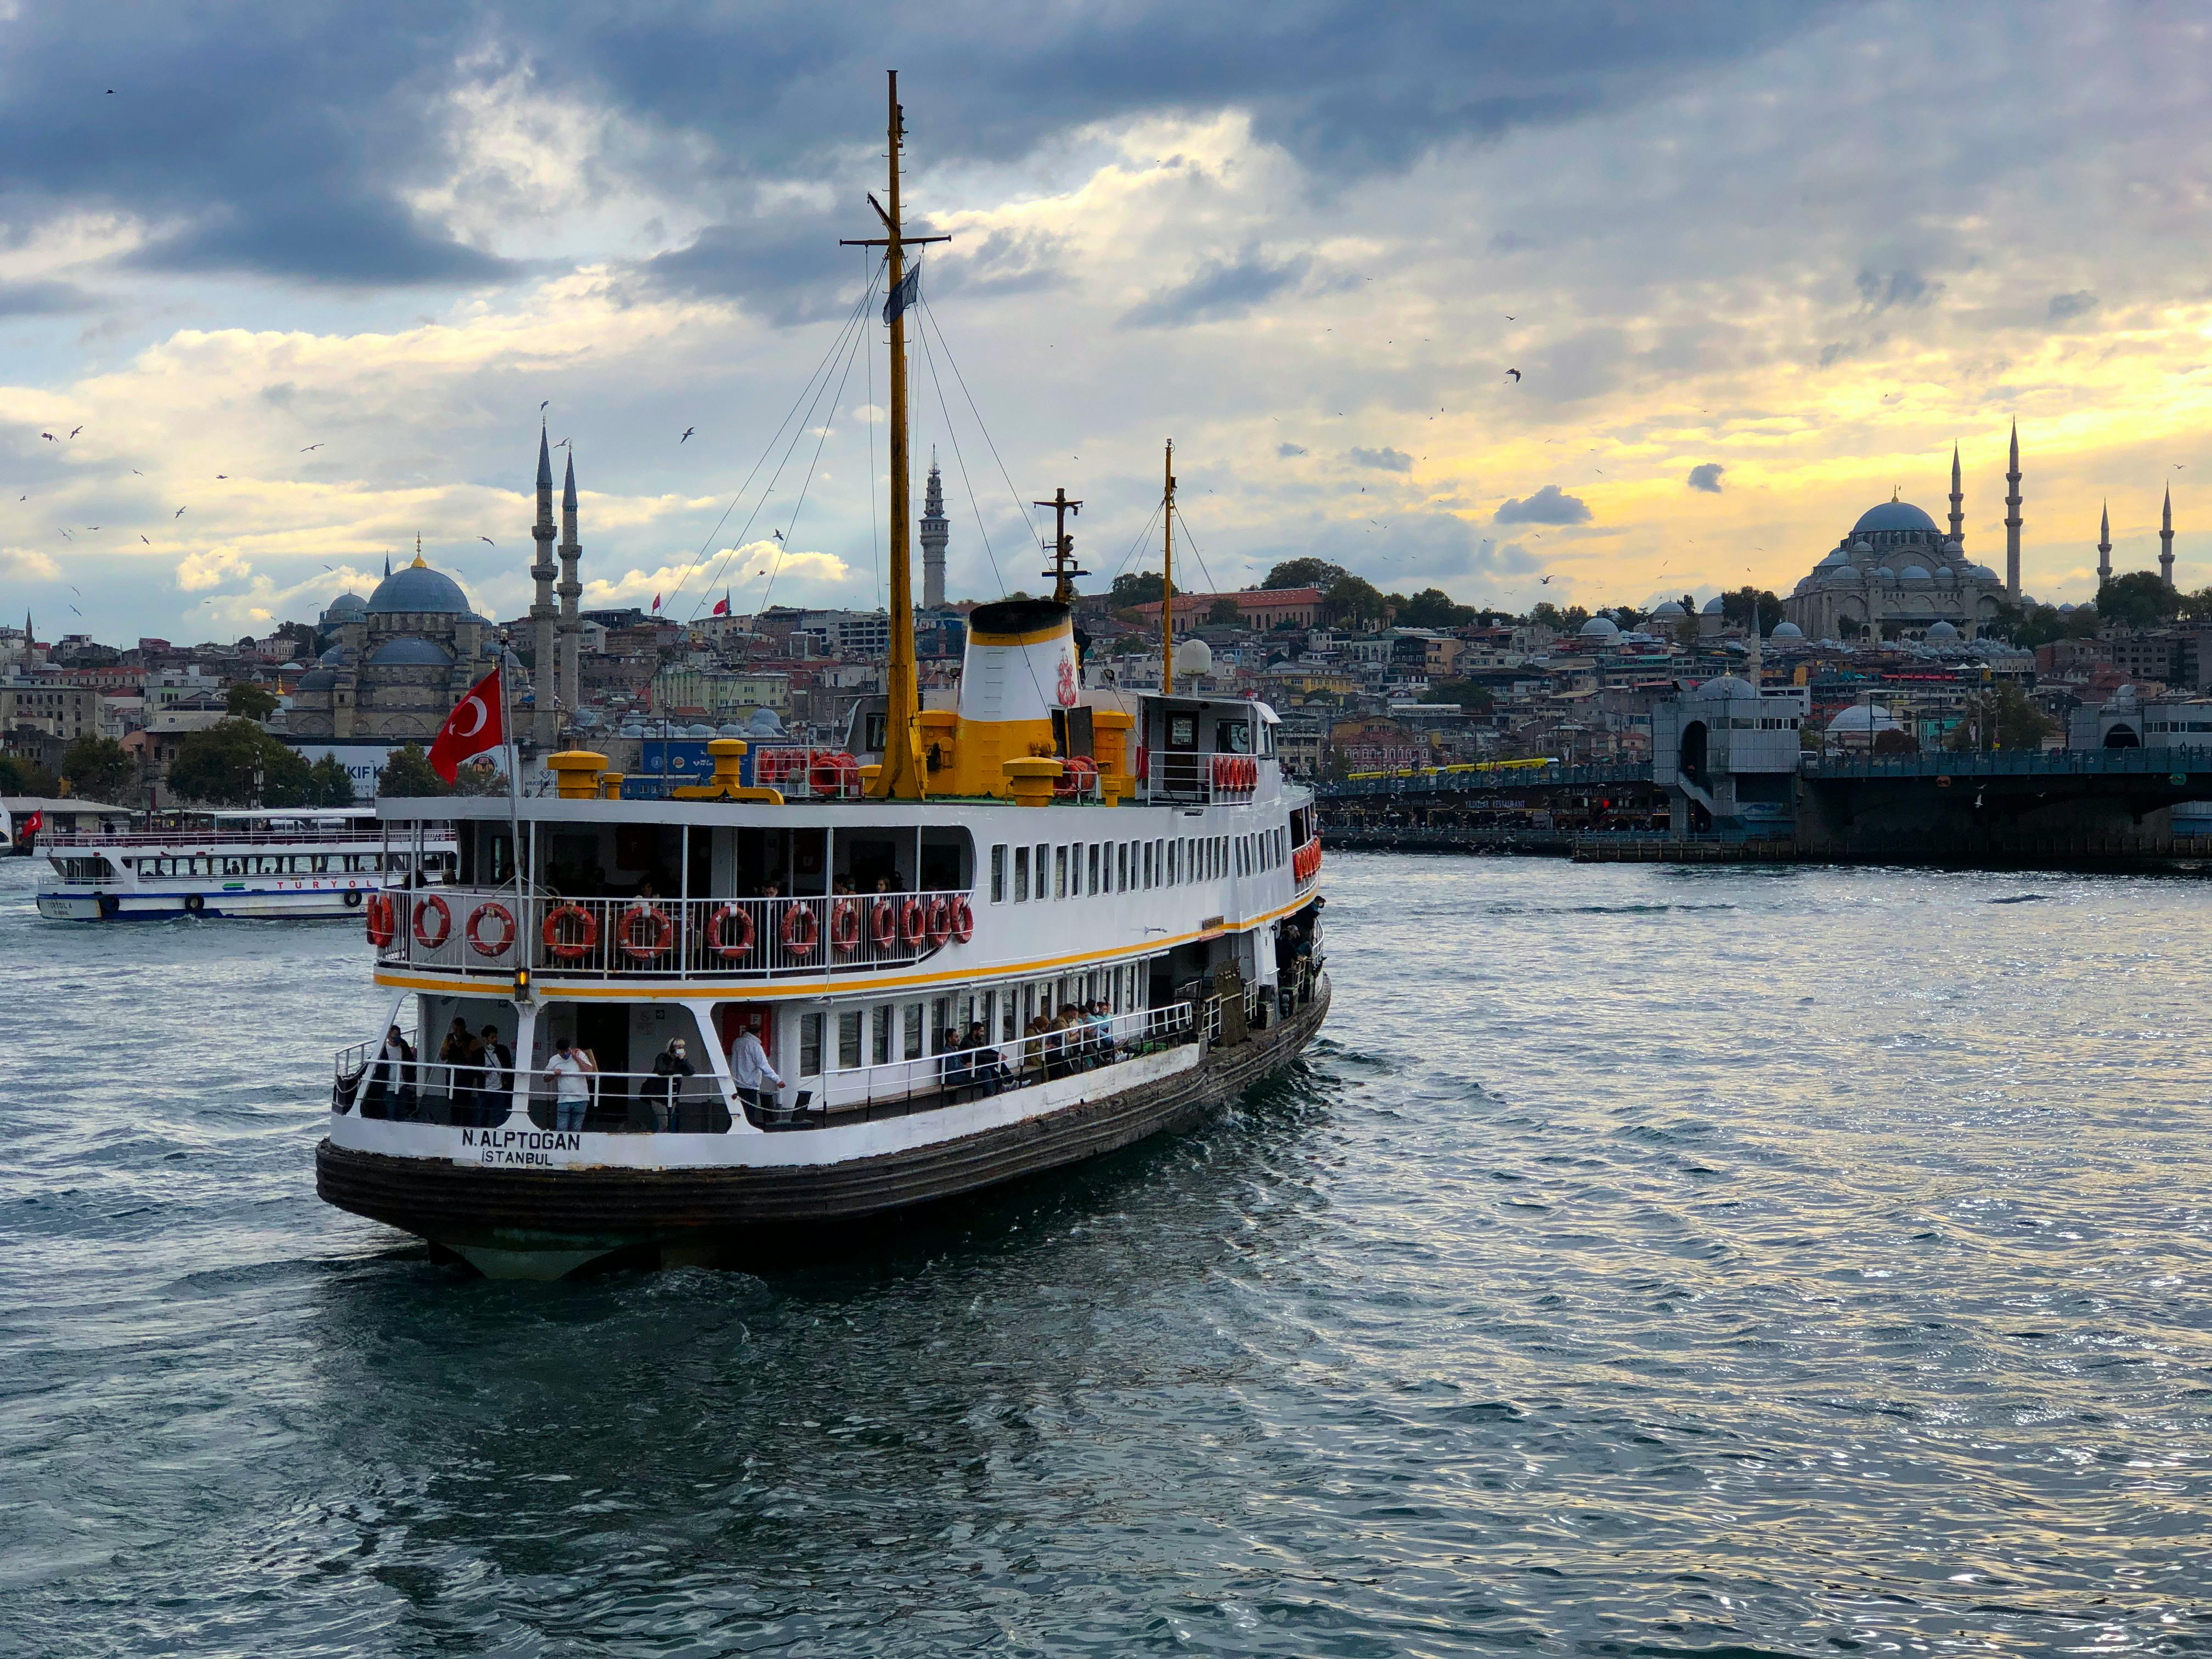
(1167, 581)
(1063, 572)
(900, 777)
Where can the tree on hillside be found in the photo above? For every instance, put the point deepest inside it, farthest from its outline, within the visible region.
(1351, 601)
(407, 772)
(1224, 613)
(100, 768)
(2002, 717)
(249, 700)
(1736, 606)
(217, 765)
(1304, 573)
(1545, 614)
(19, 776)
(2138, 600)
(1475, 699)
(2197, 606)
(1434, 607)
(1137, 588)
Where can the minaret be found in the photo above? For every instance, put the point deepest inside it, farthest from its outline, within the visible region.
(935, 532)
(2105, 546)
(1958, 502)
(2166, 541)
(544, 724)
(2012, 519)
(572, 627)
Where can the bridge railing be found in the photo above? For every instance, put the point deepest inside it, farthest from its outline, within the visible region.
(2011, 762)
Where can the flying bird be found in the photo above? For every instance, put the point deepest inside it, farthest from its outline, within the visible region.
(1546, 582)
(143, 539)
(778, 534)
(136, 473)
(220, 477)
(1516, 374)
(541, 408)
(688, 431)
(178, 514)
(74, 430)
(50, 437)
(488, 541)
(311, 447)
(67, 537)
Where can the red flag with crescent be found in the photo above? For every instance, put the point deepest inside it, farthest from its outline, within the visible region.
(474, 725)
(721, 608)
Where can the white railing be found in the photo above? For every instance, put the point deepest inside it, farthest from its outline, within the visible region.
(895, 1087)
(364, 834)
(486, 930)
(1207, 778)
(481, 1096)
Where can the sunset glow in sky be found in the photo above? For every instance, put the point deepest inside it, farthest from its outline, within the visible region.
(1757, 264)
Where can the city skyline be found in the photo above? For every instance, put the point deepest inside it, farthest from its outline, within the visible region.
(1758, 268)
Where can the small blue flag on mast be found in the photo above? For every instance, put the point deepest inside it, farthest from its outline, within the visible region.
(907, 291)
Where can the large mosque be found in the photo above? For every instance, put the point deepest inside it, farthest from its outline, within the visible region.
(408, 653)
(1896, 575)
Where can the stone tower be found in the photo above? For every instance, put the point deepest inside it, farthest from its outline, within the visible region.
(2012, 519)
(2166, 541)
(1958, 502)
(935, 532)
(544, 723)
(2105, 546)
(572, 627)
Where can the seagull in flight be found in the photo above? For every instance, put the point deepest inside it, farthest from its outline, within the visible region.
(688, 431)
(67, 537)
(50, 437)
(1546, 582)
(311, 447)
(1516, 374)
(541, 408)
(74, 430)
(178, 514)
(143, 539)
(136, 473)
(488, 541)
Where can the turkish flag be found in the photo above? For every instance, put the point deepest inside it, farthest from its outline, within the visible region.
(474, 725)
(656, 601)
(721, 607)
(33, 824)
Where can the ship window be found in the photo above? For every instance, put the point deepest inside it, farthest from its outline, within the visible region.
(809, 1045)
(1008, 1027)
(1059, 872)
(848, 1040)
(884, 1035)
(913, 1032)
(1148, 863)
(1121, 866)
(1021, 874)
(940, 1023)
(1175, 861)
(1091, 862)
(998, 874)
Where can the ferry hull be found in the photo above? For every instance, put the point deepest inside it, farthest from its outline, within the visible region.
(128, 905)
(543, 1224)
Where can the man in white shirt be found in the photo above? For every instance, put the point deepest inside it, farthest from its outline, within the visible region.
(749, 1066)
(569, 1068)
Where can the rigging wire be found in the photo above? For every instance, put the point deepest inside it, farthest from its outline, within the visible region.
(1141, 537)
(1023, 509)
(791, 524)
(1195, 553)
(820, 372)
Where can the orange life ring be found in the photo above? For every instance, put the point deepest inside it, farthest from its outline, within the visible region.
(382, 930)
(831, 772)
(963, 921)
(801, 931)
(427, 906)
(845, 926)
(652, 915)
(940, 921)
(913, 922)
(1076, 775)
(570, 949)
(719, 938)
(506, 919)
(883, 923)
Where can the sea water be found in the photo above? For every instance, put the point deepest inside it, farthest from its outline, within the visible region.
(1643, 1262)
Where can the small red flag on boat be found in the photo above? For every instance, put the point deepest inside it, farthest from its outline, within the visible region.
(476, 725)
(33, 824)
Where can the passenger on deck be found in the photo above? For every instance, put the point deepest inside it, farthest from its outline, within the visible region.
(668, 1066)
(462, 1059)
(498, 1075)
(1102, 1033)
(986, 1071)
(1036, 1039)
(749, 1067)
(957, 1069)
(391, 1078)
(570, 1068)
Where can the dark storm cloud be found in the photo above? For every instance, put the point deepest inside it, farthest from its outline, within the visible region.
(284, 139)
(1882, 289)
(41, 299)
(1706, 477)
(1219, 289)
(1547, 506)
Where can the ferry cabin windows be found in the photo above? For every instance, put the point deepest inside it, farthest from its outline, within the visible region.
(1121, 868)
(809, 1045)
(849, 1039)
(1091, 861)
(998, 874)
(1021, 874)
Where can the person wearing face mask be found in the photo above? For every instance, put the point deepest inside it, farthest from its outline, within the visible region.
(669, 1064)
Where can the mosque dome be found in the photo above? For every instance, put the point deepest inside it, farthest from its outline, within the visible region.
(765, 724)
(1914, 572)
(407, 651)
(1943, 572)
(2065, 609)
(316, 679)
(1984, 572)
(346, 608)
(1894, 515)
(1862, 545)
(1839, 556)
(1600, 628)
(417, 589)
(1788, 630)
(336, 657)
(1672, 608)
(1861, 718)
(2122, 694)
(1943, 630)
(1887, 574)
(1712, 607)
(1728, 685)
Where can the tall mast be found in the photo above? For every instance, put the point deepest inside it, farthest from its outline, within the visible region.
(1167, 581)
(900, 777)
(1063, 572)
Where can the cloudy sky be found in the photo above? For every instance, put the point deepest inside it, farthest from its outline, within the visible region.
(287, 285)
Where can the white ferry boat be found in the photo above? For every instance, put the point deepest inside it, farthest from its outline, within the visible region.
(1036, 927)
(293, 865)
